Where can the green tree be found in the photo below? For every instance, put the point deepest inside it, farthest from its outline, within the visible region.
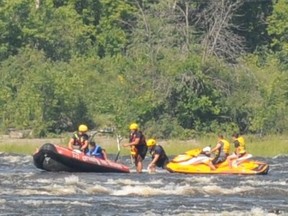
(40, 95)
(58, 31)
(277, 29)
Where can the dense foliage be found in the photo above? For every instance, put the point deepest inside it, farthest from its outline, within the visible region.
(178, 68)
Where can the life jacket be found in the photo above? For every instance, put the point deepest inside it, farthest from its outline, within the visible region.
(142, 141)
(133, 151)
(241, 149)
(162, 154)
(225, 147)
(95, 152)
(78, 140)
(163, 158)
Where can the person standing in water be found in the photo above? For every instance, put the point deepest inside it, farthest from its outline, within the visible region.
(137, 143)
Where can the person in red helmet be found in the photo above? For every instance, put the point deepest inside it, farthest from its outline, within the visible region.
(79, 140)
(137, 142)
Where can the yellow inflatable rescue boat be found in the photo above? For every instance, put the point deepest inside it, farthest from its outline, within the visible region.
(193, 162)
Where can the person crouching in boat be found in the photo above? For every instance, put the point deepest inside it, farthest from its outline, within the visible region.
(206, 153)
(96, 151)
(137, 143)
(79, 140)
(159, 157)
(240, 148)
(221, 149)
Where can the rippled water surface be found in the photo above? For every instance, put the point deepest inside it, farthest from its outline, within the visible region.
(26, 190)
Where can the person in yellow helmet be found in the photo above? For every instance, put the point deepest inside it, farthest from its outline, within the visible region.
(79, 140)
(159, 157)
(137, 142)
(240, 148)
(221, 149)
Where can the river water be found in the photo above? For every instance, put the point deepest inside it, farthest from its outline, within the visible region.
(26, 190)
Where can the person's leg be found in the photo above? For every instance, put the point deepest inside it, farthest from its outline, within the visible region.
(230, 158)
(211, 165)
(166, 161)
(215, 160)
(142, 150)
(139, 163)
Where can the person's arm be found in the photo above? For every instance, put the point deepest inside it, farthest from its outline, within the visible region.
(104, 154)
(155, 159)
(83, 147)
(135, 142)
(70, 144)
(218, 145)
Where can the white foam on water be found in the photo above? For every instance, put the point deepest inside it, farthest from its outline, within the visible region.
(26, 191)
(263, 183)
(158, 170)
(2, 201)
(131, 182)
(39, 203)
(200, 179)
(35, 203)
(176, 189)
(157, 187)
(70, 186)
(146, 190)
(53, 189)
(15, 159)
(279, 165)
(68, 203)
(122, 182)
(5, 181)
(253, 212)
(43, 181)
(214, 189)
(71, 180)
(56, 189)
(280, 155)
(136, 190)
(146, 171)
(98, 189)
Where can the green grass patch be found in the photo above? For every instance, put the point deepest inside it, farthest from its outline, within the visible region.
(267, 146)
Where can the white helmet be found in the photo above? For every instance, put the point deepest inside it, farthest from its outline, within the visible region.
(206, 149)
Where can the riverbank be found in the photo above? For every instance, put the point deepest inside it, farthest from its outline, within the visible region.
(258, 146)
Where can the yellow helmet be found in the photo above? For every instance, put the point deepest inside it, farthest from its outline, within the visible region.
(82, 128)
(151, 142)
(133, 126)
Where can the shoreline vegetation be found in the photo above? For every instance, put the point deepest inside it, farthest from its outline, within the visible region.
(266, 146)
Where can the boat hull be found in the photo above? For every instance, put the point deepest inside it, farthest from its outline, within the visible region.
(51, 157)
